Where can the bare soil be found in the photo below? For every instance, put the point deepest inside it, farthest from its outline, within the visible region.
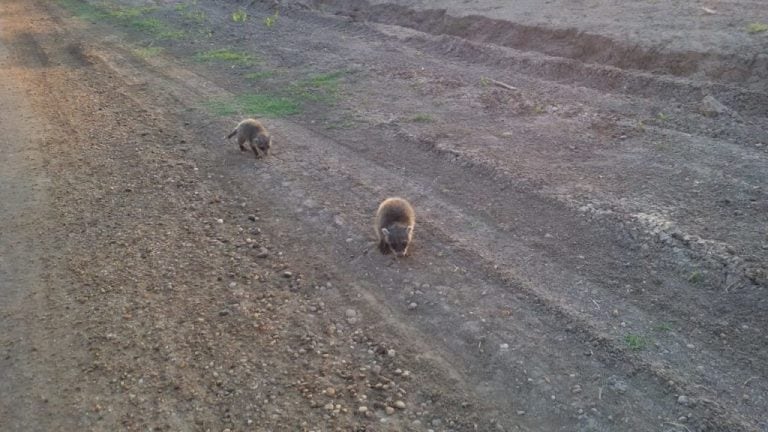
(592, 216)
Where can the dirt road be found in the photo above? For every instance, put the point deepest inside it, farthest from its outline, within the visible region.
(590, 251)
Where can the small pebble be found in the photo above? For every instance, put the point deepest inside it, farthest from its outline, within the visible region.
(330, 391)
(287, 274)
(399, 404)
(389, 410)
(413, 306)
(362, 409)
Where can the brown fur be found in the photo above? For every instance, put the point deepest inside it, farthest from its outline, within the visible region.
(255, 133)
(394, 224)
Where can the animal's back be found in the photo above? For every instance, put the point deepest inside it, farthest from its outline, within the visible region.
(394, 211)
(250, 128)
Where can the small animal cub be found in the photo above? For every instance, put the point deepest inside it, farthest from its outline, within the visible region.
(395, 220)
(255, 133)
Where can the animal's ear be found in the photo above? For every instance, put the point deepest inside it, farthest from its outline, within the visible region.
(385, 232)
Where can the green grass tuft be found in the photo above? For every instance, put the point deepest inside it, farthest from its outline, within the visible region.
(225, 55)
(258, 104)
(696, 277)
(636, 342)
(756, 27)
(271, 20)
(421, 118)
(256, 76)
(663, 327)
(239, 15)
(147, 52)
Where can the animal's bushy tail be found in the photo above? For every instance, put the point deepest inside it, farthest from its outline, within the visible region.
(232, 134)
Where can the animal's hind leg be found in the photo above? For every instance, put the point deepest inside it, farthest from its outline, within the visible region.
(240, 142)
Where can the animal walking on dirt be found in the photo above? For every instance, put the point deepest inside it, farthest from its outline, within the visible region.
(395, 220)
(255, 133)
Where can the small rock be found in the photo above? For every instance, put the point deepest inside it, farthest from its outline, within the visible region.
(683, 400)
(504, 347)
(615, 312)
(712, 107)
(617, 385)
(521, 412)
(413, 306)
(263, 253)
(287, 274)
(391, 353)
(221, 221)
(253, 218)
(330, 391)
(351, 313)
(399, 404)
(389, 410)
(362, 409)
(224, 312)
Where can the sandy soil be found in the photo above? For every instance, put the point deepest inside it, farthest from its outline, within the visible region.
(590, 252)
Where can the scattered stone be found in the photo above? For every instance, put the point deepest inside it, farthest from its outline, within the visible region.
(330, 391)
(399, 404)
(263, 253)
(615, 312)
(683, 400)
(413, 306)
(362, 409)
(389, 410)
(504, 347)
(712, 107)
(224, 312)
(253, 218)
(221, 221)
(617, 385)
(287, 274)
(391, 353)
(520, 412)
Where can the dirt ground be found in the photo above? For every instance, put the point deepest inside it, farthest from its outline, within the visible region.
(589, 179)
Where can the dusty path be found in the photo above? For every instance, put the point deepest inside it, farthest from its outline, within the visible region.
(590, 253)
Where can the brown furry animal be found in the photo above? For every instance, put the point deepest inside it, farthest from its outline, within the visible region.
(255, 133)
(395, 220)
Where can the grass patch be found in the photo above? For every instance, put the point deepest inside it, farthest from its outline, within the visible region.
(225, 55)
(317, 88)
(239, 15)
(147, 52)
(256, 104)
(271, 20)
(696, 277)
(663, 328)
(756, 27)
(636, 342)
(83, 10)
(129, 13)
(196, 16)
(421, 118)
(260, 75)
(134, 17)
